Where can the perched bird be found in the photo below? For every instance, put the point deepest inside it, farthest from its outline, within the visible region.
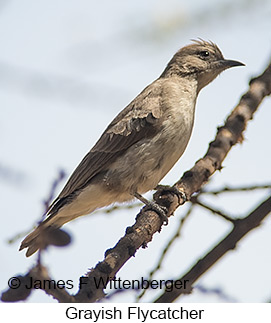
(141, 144)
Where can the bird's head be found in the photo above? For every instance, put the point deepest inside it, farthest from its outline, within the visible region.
(201, 60)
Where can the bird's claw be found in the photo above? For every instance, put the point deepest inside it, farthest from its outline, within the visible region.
(160, 210)
(172, 189)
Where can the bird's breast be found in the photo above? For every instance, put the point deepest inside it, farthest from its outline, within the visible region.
(145, 163)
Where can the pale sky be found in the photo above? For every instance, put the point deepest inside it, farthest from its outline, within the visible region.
(67, 68)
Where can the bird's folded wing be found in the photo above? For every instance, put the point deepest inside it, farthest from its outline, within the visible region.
(140, 119)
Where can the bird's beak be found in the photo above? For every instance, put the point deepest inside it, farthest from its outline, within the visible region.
(228, 63)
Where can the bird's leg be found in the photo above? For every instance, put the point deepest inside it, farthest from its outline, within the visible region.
(151, 205)
(172, 189)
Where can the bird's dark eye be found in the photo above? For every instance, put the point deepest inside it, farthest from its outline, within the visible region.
(204, 53)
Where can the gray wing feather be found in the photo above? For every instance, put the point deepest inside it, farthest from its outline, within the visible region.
(140, 119)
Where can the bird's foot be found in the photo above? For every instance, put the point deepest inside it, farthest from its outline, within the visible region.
(151, 205)
(172, 189)
(160, 210)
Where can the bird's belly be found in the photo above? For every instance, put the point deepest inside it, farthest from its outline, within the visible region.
(164, 157)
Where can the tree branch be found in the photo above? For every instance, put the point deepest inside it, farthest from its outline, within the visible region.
(240, 229)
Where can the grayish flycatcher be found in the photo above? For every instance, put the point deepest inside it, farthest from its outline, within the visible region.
(141, 144)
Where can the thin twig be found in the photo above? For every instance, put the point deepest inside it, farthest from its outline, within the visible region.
(196, 201)
(228, 189)
(117, 208)
(240, 229)
(217, 291)
(47, 202)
